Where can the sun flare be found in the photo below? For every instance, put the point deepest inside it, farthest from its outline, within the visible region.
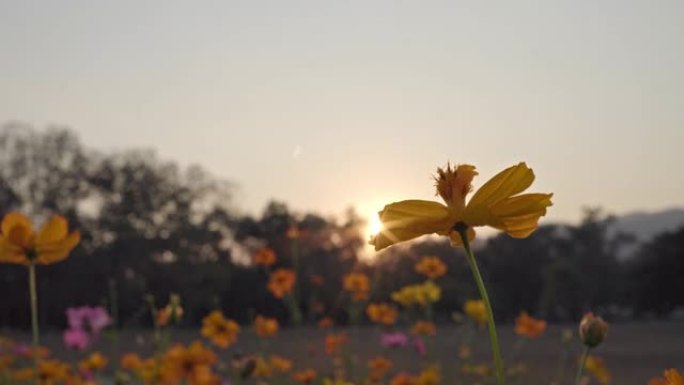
(374, 224)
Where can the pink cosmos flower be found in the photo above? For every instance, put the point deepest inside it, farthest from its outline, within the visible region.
(419, 344)
(76, 339)
(393, 340)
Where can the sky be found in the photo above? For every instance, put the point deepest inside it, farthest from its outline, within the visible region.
(326, 104)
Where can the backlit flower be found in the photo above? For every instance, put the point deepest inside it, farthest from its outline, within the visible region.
(476, 310)
(265, 327)
(281, 282)
(431, 267)
(20, 244)
(220, 330)
(382, 313)
(530, 327)
(498, 203)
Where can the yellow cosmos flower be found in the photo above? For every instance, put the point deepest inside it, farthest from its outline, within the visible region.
(20, 244)
(476, 310)
(382, 313)
(265, 327)
(431, 267)
(597, 367)
(496, 204)
(220, 330)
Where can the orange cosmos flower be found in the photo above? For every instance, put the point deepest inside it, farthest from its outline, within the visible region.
(671, 377)
(190, 364)
(475, 309)
(280, 363)
(304, 376)
(93, 363)
(425, 328)
(431, 267)
(49, 372)
(265, 327)
(382, 313)
(379, 365)
(403, 379)
(264, 257)
(281, 282)
(530, 327)
(220, 330)
(21, 245)
(498, 203)
(358, 285)
(335, 342)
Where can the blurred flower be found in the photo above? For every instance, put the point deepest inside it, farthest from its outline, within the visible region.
(592, 330)
(530, 327)
(425, 328)
(496, 204)
(393, 340)
(220, 330)
(481, 370)
(403, 379)
(464, 352)
(76, 339)
(382, 313)
(325, 323)
(191, 364)
(261, 368)
(429, 376)
(172, 312)
(265, 327)
(516, 370)
(566, 336)
(93, 363)
(281, 282)
(431, 267)
(293, 232)
(358, 285)
(281, 363)
(49, 372)
(131, 361)
(419, 344)
(597, 367)
(264, 257)
(335, 342)
(476, 310)
(670, 377)
(379, 366)
(419, 294)
(20, 244)
(304, 376)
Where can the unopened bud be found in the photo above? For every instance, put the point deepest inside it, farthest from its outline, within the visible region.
(592, 330)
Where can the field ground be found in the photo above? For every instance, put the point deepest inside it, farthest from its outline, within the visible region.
(634, 352)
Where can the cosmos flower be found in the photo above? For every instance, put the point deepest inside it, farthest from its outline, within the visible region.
(498, 203)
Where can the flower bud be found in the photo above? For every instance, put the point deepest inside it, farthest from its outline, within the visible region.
(592, 330)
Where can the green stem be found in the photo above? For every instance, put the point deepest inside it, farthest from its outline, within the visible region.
(34, 315)
(583, 361)
(496, 351)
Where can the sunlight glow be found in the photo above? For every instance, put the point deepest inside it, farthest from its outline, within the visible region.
(374, 224)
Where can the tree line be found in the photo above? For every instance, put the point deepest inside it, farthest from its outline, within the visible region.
(151, 228)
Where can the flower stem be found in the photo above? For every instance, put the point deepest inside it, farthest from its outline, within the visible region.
(583, 361)
(494, 339)
(34, 315)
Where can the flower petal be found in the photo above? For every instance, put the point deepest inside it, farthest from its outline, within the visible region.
(11, 253)
(519, 216)
(50, 253)
(13, 219)
(53, 230)
(507, 183)
(409, 219)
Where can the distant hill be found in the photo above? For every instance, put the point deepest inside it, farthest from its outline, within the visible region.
(646, 225)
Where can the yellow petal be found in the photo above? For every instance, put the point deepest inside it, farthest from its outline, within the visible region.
(11, 253)
(409, 219)
(49, 253)
(14, 219)
(53, 230)
(21, 236)
(507, 183)
(519, 216)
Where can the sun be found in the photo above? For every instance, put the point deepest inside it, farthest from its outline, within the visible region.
(374, 225)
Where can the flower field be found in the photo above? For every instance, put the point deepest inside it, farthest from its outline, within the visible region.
(397, 340)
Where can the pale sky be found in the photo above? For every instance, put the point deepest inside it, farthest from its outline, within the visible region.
(326, 104)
